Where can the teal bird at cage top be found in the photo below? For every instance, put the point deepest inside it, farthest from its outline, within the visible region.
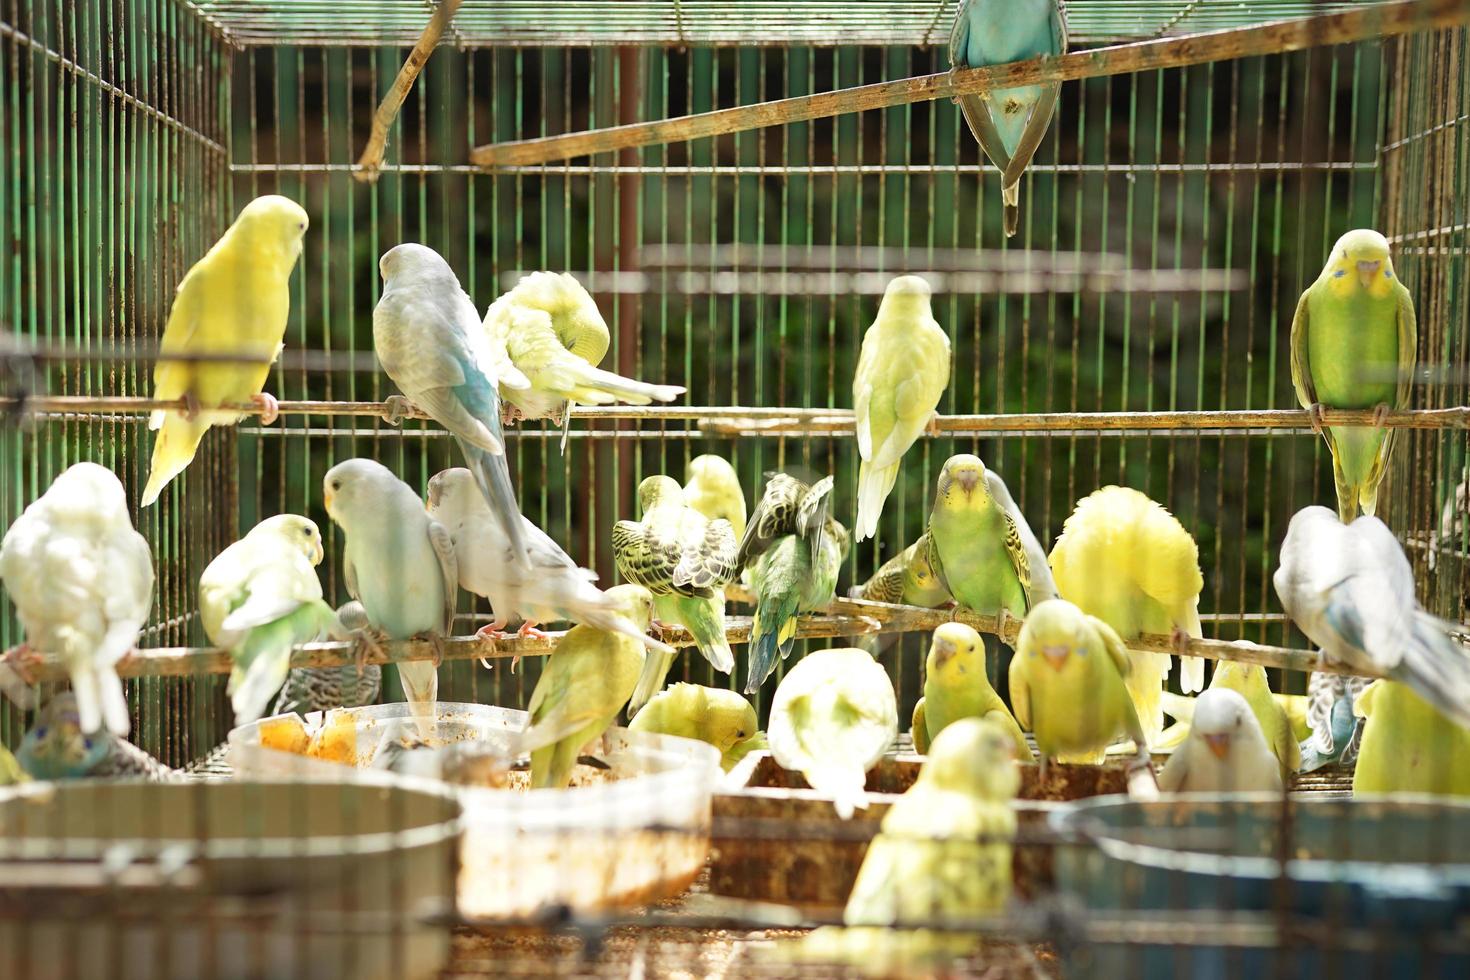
(1009, 123)
(794, 551)
(428, 337)
(55, 747)
(1353, 345)
(399, 563)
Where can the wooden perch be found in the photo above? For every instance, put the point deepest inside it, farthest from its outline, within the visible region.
(1366, 23)
(842, 618)
(372, 155)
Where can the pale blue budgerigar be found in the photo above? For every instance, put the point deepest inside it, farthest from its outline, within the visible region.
(685, 561)
(310, 689)
(56, 748)
(1336, 731)
(1351, 590)
(833, 717)
(1009, 123)
(428, 337)
(259, 599)
(399, 563)
(794, 551)
(82, 582)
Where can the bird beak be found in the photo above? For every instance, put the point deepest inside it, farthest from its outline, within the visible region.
(435, 492)
(1219, 745)
(317, 553)
(1367, 270)
(1056, 655)
(967, 480)
(943, 650)
(327, 499)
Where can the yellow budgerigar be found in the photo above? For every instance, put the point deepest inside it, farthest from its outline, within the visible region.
(902, 371)
(1408, 745)
(1126, 560)
(712, 487)
(234, 302)
(955, 687)
(720, 717)
(1249, 681)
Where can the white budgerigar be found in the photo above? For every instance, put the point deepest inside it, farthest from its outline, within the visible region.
(82, 582)
(428, 337)
(552, 590)
(1226, 751)
(1351, 590)
(833, 717)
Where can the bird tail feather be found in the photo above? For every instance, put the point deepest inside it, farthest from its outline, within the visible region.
(101, 703)
(492, 473)
(1436, 667)
(705, 621)
(421, 687)
(251, 689)
(173, 451)
(772, 631)
(655, 668)
(596, 386)
(874, 485)
(844, 785)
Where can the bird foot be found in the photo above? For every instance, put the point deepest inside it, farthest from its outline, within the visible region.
(528, 629)
(191, 406)
(1380, 414)
(367, 642)
(21, 658)
(1314, 413)
(1179, 639)
(435, 641)
(269, 408)
(1003, 623)
(396, 408)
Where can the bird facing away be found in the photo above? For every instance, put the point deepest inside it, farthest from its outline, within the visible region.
(833, 717)
(259, 599)
(712, 487)
(794, 551)
(1353, 345)
(1225, 752)
(686, 561)
(1409, 746)
(902, 371)
(1008, 123)
(234, 303)
(555, 335)
(722, 718)
(399, 563)
(1126, 560)
(428, 338)
(1350, 589)
(82, 582)
(955, 687)
(583, 685)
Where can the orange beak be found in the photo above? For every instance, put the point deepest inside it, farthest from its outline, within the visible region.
(1367, 271)
(967, 480)
(327, 499)
(1056, 656)
(1219, 745)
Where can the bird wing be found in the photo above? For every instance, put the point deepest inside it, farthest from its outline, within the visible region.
(709, 565)
(775, 515)
(1020, 691)
(1301, 368)
(812, 513)
(639, 562)
(1408, 347)
(349, 576)
(1112, 645)
(886, 585)
(443, 543)
(171, 378)
(1032, 569)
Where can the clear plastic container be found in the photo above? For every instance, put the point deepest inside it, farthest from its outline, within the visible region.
(635, 833)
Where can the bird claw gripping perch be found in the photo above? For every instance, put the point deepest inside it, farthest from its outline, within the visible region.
(1315, 414)
(367, 642)
(269, 408)
(16, 679)
(1380, 415)
(396, 408)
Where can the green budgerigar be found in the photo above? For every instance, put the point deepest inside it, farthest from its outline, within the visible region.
(794, 552)
(722, 718)
(685, 560)
(1353, 345)
(944, 853)
(259, 599)
(1408, 745)
(833, 717)
(584, 684)
(1067, 685)
(902, 371)
(907, 578)
(955, 687)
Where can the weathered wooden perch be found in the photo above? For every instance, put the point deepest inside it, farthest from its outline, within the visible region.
(369, 164)
(1367, 23)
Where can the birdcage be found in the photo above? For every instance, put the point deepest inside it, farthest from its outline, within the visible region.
(736, 184)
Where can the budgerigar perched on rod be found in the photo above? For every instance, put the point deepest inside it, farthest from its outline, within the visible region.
(1351, 590)
(907, 578)
(399, 563)
(556, 337)
(310, 689)
(686, 561)
(1009, 123)
(902, 371)
(234, 303)
(794, 551)
(1353, 345)
(82, 582)
(955, 687)
(1126, 560)
(259, 599)
(1336, 732)
(427, 335)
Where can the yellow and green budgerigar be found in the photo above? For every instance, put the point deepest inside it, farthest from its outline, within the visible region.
(1249, 681)
(1298, 710)
(955, 687)
(584, 684)
(1353, 345)
(907, 578)
(234, 302)
(11, 772)
(833, 717)
(1126, 560)
(943, 854)
(722, 718)
(686, 561)
(1068, 684)
(794, 552)
(712, 487)
(902, 371)
(1408, 745)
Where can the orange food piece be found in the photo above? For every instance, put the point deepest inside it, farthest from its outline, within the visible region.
(284, 735)
(337, 740)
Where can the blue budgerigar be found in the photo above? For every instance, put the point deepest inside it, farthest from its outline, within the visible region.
(56, 748)
(428, 337)
(1009, 123)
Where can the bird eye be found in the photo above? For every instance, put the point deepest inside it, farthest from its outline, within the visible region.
(41, 732)
(306, 532)
(301, 226)
(336, 484)
(86, 742)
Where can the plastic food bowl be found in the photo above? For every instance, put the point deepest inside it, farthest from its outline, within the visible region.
(244, 879)
(635, 833)
(1375, 886)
